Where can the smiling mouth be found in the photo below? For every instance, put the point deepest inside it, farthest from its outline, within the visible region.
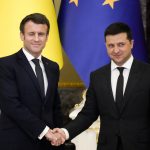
(36, 44)
(115, 55)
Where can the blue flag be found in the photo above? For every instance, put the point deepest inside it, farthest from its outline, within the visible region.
(82, 24)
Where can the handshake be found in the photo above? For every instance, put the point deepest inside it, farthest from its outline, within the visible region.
(56, 136)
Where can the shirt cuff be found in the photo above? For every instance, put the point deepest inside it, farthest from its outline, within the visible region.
(43, 133)
(66, 133)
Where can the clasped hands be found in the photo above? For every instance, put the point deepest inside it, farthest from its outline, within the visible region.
(56, 136)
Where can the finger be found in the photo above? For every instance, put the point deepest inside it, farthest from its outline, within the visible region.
(56, 143)
(55, 130)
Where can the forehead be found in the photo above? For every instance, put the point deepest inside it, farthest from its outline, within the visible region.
(121, 37)
(31, 26)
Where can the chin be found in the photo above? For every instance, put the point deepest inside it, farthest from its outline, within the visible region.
(119, 63)
(37, 50)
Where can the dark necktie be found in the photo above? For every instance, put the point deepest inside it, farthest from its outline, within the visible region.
(39, 74)
(119, 88)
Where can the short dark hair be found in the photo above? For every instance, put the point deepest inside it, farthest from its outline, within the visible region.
(37, 18)
(118, 27)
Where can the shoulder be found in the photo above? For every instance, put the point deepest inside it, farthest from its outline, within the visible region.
(50, 63)
(102, 70)
(141, 65)
(7, 65)
(8, 60)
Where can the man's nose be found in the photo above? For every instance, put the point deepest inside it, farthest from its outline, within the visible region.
(36, 37)
(116, 49)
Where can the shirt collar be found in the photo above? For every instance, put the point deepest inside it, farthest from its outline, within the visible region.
(29, 56)
(126, 65)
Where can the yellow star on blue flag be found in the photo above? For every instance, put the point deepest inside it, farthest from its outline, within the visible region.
(110, 2)
(74, 1)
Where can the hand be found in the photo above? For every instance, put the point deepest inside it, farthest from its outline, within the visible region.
(55, 138)
(61, 137)
(60, 131)
(50, 136)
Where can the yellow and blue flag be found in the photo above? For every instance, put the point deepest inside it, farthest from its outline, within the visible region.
(82, 24)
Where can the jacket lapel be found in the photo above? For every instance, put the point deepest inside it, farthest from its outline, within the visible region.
(131, 83)
(25, 64)
(109, 88)
(49, 75)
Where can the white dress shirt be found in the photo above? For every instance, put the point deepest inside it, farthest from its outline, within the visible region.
(29, 58)
(115, 74)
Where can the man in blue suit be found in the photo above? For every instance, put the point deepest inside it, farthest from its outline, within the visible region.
(29, 100)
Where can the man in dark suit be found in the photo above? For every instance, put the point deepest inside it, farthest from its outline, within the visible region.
(29, 100)
(120, 94)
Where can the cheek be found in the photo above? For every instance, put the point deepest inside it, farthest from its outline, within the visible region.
(44, 42)
(109, 52)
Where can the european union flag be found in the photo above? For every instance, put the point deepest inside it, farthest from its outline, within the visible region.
(82, 24)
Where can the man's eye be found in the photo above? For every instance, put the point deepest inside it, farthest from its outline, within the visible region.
(41, 34)
(121, 44)
(31, 34)
(110, 46)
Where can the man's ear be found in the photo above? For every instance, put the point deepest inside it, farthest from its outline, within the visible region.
(21, 36)
(132, 43)
(47, 36)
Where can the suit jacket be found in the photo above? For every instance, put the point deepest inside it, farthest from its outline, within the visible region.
(24, 111)
(132, 124)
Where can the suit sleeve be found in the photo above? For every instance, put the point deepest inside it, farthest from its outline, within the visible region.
(14, 111)
(88, 114)
(58, 117)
